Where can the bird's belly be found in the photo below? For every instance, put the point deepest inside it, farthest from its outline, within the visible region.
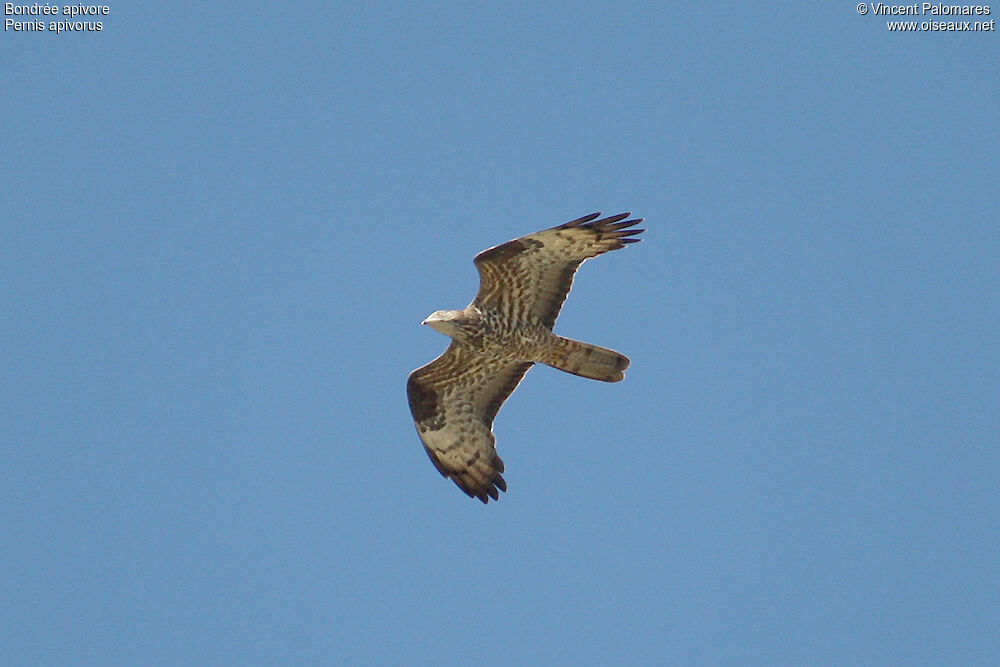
(515, 344)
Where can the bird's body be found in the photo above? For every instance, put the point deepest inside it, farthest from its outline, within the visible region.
(498, 337)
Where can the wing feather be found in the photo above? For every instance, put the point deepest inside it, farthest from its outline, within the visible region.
(454, 400)
(528, 278)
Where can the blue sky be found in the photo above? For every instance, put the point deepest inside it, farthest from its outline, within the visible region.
(222, 224)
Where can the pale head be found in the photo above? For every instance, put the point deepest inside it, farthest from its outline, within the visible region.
(454, 323)
(445, 321)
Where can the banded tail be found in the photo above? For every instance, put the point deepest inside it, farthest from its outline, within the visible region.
(586, 360)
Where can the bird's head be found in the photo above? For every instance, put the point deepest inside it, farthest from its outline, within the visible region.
(451, 323)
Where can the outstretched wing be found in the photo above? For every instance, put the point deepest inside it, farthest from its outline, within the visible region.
(454, 400)
(528, 278)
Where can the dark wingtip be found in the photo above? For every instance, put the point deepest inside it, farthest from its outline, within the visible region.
(612, 219)
(628, 223)
(622, 232)
(484, 492)
(580, 221)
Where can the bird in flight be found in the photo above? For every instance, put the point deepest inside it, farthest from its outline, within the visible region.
(495, 340)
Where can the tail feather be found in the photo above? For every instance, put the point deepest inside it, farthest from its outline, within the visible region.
(586, 360)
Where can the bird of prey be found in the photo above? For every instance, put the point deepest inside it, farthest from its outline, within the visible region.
(495, 340)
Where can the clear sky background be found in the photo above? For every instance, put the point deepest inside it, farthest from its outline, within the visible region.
(222, 224)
